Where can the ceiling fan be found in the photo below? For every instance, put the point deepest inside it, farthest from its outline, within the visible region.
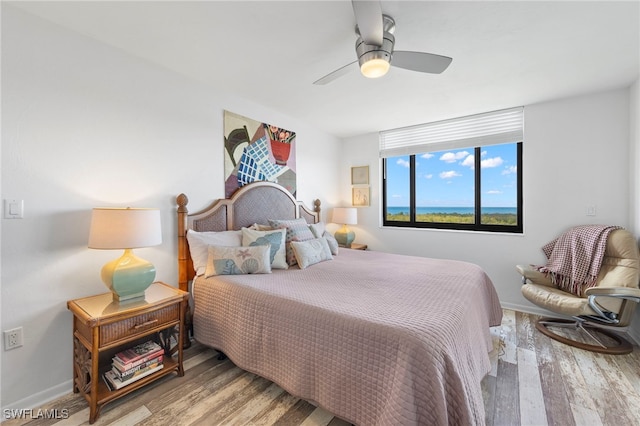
(374, 47)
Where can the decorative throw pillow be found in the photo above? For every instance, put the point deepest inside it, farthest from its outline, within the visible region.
(274, 237)
(200, 241)
(311, 252)
(333, 243)
(260, 227)
(317, 229)
(297, 230)
(238, 260)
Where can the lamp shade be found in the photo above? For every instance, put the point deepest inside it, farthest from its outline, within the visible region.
(125, 228)
(122, 228)
(345, 215)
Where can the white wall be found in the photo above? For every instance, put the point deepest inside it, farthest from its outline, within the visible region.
(575, 154)
(86, 125)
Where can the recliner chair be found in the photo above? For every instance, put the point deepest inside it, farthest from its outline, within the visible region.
(607, 306)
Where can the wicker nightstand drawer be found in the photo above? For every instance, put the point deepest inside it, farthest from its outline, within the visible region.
(139, 324)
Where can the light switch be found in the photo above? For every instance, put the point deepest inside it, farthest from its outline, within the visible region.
(13, 209)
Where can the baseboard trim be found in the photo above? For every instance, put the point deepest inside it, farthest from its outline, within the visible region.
(39, 399)
(527, 309)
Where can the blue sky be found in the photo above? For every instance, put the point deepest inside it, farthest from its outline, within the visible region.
(445, 178)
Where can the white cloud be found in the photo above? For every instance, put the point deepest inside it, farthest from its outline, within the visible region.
(491, 162)
(494, 191)
(429, 176)
(450, 157)
(403, 163)
(449, 174)
(396, 196)
(469, 161)
(427, 155)
(510, 170)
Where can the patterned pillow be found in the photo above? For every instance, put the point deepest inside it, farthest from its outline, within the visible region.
(238, 260)
(200, 241)
(275, 238)
(311, 252)
(297, 230)
(333, 243)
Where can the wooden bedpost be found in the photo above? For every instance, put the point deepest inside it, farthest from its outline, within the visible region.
(184, 263)
(316, 207)
(183, 248)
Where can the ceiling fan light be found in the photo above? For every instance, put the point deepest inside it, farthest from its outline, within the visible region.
(374, 68)
(375, 60)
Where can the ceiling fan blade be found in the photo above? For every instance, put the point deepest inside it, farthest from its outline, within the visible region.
(420, 61)
(369, 19)
(335, 74)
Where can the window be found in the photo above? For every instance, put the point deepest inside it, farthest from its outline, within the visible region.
(458, 174)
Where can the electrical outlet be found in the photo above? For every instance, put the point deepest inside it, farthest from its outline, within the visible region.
(12, 338)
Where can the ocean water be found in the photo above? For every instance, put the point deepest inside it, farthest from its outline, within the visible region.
(449, 210)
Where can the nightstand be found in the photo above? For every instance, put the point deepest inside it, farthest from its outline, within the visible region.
(102, 327)
(355, 246)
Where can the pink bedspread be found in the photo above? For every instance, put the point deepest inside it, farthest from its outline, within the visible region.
(374, 338)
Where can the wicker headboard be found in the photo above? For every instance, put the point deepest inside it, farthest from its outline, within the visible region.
(254, 203)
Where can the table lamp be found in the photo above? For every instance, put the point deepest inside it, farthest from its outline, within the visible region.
(126, 228)
(345, 216)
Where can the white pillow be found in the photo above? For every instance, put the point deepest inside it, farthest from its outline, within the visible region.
(238, 260)
(200, 241)
(333, 243)
(260, 227)
(310, 252)
(274, 237)
(317, 229)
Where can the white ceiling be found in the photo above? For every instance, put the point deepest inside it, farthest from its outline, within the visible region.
(505, 53)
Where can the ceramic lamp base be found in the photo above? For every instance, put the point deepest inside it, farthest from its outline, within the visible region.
(128, 276)
(345, 236)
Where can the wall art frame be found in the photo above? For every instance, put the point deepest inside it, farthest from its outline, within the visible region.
(360, 196)
(360, 175)
(257, 151)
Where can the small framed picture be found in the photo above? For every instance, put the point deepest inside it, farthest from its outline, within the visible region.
(360, 175)
(360, 196)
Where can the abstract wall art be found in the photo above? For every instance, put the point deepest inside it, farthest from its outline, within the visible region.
(256, 151)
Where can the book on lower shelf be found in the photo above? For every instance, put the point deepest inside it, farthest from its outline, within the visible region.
(137, 370)
(138, 352)
(113, 382)
(124, 368)
(133, 364)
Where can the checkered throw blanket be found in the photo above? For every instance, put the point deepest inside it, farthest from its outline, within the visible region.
(575, 257)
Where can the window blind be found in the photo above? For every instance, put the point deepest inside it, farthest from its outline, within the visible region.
(490, 128)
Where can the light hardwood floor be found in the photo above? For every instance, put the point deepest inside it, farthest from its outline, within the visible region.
(534, 381)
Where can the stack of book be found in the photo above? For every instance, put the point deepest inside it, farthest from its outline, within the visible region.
(134, 364)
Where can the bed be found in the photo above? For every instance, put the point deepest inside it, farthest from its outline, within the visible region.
(374, 338)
